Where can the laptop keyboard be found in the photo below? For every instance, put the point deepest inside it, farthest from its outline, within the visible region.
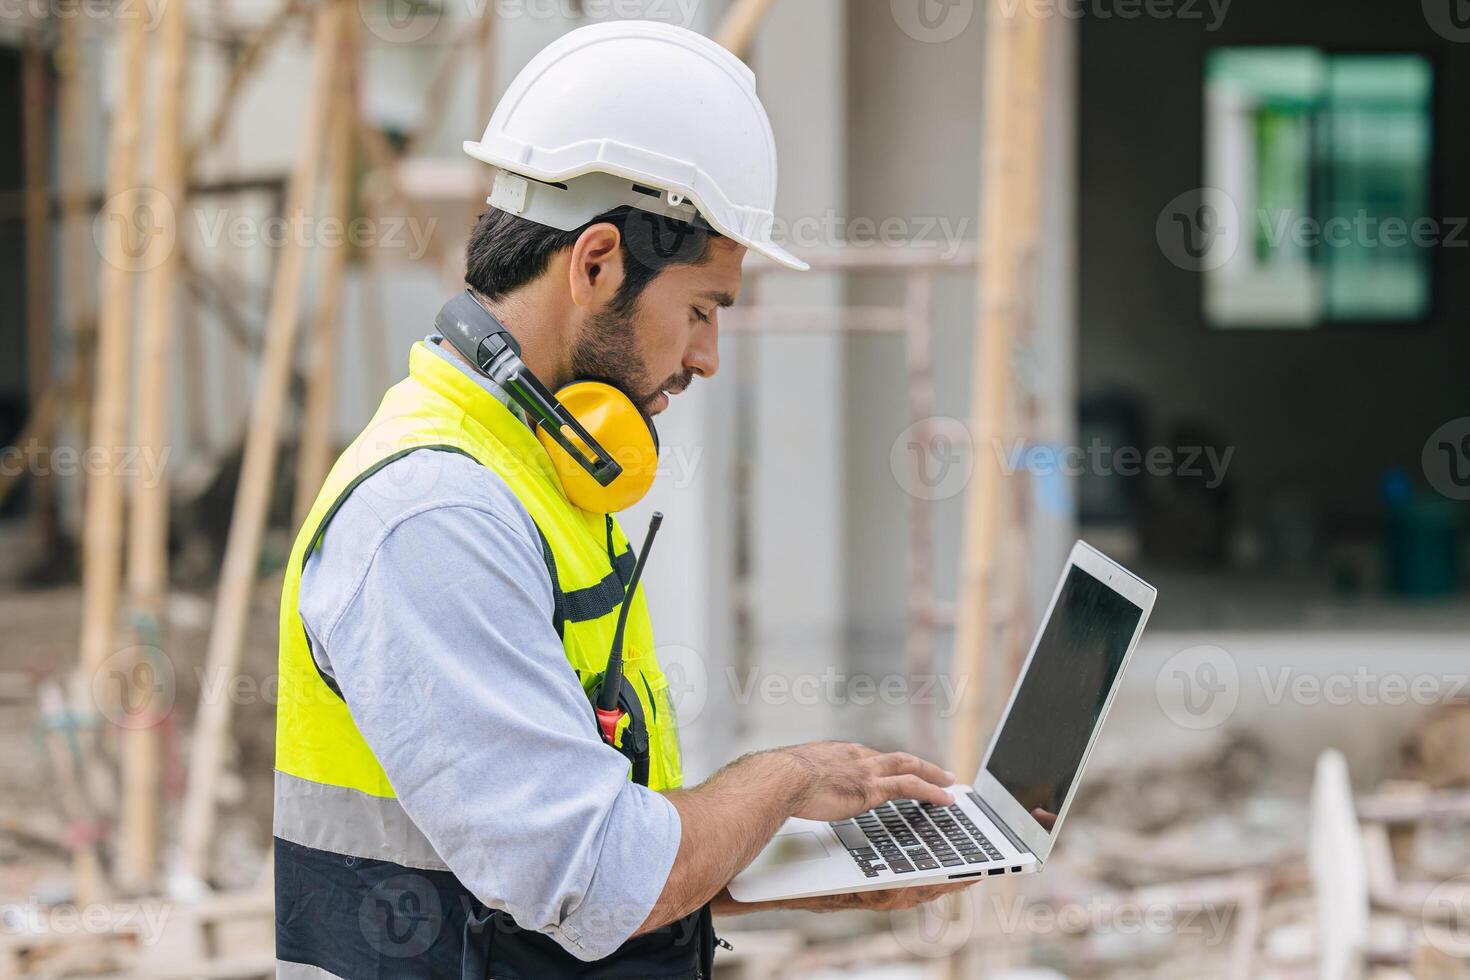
(905, 836)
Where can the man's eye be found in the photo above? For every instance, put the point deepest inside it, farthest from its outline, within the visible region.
(703, 316)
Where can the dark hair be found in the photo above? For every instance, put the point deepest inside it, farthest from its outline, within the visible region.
(506, 251)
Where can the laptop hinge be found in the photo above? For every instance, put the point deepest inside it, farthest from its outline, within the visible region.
(1016, 842)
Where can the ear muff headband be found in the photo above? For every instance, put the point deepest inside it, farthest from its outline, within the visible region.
(574, 425)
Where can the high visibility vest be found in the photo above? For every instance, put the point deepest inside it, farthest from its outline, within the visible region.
(342, 838)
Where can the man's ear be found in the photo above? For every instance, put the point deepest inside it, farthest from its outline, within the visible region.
(596, 268)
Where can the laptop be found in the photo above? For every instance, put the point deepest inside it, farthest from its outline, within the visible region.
(1007, 819)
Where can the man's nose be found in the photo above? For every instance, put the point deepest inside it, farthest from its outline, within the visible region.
(703, 355)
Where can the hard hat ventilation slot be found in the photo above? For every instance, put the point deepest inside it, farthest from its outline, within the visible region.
(647, 191)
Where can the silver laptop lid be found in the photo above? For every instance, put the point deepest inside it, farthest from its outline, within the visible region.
(1057, 707)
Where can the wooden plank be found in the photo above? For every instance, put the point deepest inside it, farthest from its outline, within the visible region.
(247, 524)
(1007, 225)
(35, 143)
(1009, 159)
(147, 556)
(102, 540)
(315, 450)
(1339, 872)
(77, 272)
(738, 29)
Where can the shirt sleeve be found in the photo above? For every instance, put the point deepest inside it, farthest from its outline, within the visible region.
(495, 755)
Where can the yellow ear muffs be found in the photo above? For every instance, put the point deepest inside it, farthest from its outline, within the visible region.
(611, 418)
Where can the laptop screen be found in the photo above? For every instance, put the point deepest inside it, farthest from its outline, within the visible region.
(1039, 750)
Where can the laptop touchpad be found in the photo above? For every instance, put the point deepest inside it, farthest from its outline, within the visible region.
(791, 848)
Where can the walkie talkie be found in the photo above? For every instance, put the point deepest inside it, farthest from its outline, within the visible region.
(613, 698)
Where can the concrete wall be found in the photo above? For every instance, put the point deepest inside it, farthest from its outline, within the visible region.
(1318, 413)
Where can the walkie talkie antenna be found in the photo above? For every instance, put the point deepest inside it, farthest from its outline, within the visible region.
(612, 678)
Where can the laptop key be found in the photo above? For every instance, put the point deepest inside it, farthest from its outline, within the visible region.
(852, 838)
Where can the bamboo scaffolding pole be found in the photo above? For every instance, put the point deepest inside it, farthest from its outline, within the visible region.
(998, 305)
(78, 277)
(102, 544)
(1009, 203)
(38, 265)
(252, 501)
(315, 450)
(737, 31)
(147, 556)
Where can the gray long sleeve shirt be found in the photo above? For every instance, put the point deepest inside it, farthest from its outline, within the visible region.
(430, 582)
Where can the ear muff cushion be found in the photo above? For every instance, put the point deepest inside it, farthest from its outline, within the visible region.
(625, 432)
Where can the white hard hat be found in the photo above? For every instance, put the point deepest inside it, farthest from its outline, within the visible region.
(637, 113)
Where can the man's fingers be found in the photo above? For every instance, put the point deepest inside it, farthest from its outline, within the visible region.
(913, 788)
(901, 763)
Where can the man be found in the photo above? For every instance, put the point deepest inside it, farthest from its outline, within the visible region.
(446, 805)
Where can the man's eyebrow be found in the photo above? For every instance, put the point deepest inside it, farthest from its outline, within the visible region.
(719, 298)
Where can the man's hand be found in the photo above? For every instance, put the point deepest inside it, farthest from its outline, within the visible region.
(846, 779)
(728, 819)
(881, 900)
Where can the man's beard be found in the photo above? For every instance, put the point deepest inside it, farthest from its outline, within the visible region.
(608, 351)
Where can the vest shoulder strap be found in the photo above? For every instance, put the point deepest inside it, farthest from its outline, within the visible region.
(558, 616)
